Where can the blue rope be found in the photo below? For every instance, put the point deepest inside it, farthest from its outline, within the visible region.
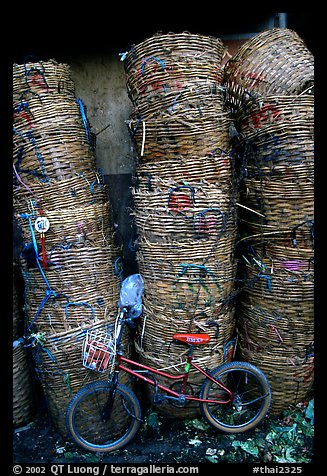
(133, 247)
(38, 154)
(203, 213)
(268, 278)
(85, 122)
(22, 106)
(229, 343)
(172, 190)
(95, 182)
(200, 267)
(29, 71)
(49, 292)
(47, 296)
(133, 131)
(28, 216)
(158, 60)
(119, 268)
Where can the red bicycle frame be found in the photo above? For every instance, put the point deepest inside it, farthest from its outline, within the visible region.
(184, 377)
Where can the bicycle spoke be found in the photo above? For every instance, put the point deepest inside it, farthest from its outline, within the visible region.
(90, 425)
(248, 402)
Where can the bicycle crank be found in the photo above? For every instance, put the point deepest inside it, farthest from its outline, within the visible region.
(181, 401)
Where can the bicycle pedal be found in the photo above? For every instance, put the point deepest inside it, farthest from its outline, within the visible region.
(158, 398)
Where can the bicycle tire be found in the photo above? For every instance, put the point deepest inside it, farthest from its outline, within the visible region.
(88, 430)
(248, 379)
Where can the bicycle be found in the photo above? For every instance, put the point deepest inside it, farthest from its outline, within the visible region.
(106, 415)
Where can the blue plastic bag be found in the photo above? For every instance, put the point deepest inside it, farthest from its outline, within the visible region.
(131, 294)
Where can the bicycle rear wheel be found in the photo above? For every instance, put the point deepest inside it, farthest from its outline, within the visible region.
(252, 397)
(85, 422)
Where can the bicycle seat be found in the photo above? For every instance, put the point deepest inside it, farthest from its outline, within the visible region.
(192, 339)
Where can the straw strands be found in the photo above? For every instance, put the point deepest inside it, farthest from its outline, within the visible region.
(23, 396)
(23, 391)
(167, 63)
(58, 366)
(62, 207)
(270, 90)
(40, 77)
(275, 61)
(184, 197)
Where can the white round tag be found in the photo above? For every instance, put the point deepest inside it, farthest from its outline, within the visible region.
(42, 224)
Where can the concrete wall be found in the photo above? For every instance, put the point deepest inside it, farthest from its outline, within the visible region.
(100, 83)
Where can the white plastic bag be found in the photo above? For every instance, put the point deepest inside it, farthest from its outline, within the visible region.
(131, 294)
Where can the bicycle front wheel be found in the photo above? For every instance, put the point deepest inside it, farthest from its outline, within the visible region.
(251, 401)
(87, 426)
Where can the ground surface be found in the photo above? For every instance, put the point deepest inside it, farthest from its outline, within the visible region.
(287, 438)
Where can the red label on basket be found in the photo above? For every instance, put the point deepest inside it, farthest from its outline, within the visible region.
(149, 67)
(207, 225)
(26, 116)
(179, 202)
(38, 80)
(268, 114)
(255, 78)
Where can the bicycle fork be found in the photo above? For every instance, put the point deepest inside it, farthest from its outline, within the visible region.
(108, 406)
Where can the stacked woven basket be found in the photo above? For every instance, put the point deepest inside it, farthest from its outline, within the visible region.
(270, 91)
(184, 199)
(68, 267)
(23, 389)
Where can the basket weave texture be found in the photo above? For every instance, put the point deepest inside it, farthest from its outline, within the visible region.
(40, 77)
(71, 284)
(275, 61)
(184, 199)
(270, 91)
(23, 391)
(23, 394)
(61, 372)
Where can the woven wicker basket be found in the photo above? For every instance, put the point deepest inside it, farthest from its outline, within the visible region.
(215, 167)
(178, 197)
(47, 130)
(166, 63)
(82, 189)
(187, 285)
(56, 156)
(17, 301)
(276, 113)
(59, 366)
(42, 78)
(81, 226)
(290, 376)
(275, 61)
(276, 318)
(279, 161)
(192, 99)
(279, 212)
(55, 176)
(180, 134)
(184, 199)
(23, 392)
(47, 115)
(85, 286)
